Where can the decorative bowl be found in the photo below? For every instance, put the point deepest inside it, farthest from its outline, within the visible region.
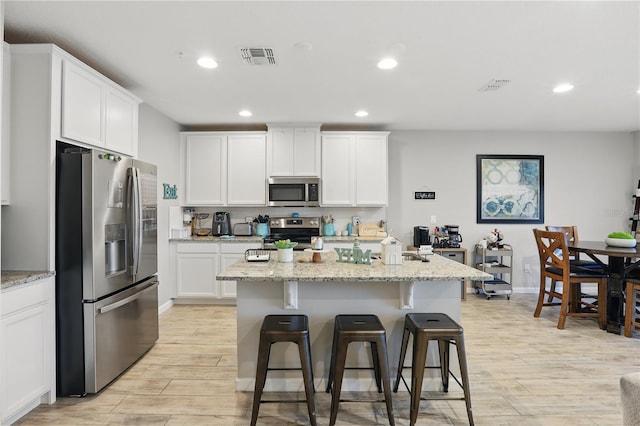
(620, 242)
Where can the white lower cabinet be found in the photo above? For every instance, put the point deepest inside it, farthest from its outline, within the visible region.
(229, 254)
(27, 354)
(196, 267)
(198, 264)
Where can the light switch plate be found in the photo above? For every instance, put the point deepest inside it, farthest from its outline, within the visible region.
(433, 220)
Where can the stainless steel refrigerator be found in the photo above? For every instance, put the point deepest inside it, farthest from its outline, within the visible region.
(106, 265)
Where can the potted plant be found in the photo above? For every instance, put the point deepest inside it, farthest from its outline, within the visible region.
(285, 250)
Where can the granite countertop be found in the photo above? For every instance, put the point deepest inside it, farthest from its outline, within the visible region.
(212, 239)
(15, 278)
(257, 239)
(302, 269)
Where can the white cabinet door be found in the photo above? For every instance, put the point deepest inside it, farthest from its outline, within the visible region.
(229, 254)
(306, 150)
(205, 169)
(27, 358)
(246, 169)
(121, 122)
(354, 169)
(293, 151)
(280, 151)
(5, 154)
(228, 288)
(82, 105)
(338, 170)
(196, 268)
(371, 170)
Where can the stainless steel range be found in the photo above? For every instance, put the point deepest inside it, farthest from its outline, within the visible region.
(298, 229)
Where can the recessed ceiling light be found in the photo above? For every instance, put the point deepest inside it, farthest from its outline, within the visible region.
(638, 91)
(562, 88)
(387, 64)
(245, 113)
(361, 113)
(207, 62)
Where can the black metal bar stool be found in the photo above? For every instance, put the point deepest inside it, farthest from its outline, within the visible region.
(425, 327)
(284, 328)
(358, 328)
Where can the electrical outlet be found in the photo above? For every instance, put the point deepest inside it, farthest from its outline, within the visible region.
(433, 220)
(527, 267)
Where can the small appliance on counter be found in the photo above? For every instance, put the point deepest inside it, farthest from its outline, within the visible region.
(421, 236)
(454, 236)
(198, 229)
(243, 229)
(221, 224)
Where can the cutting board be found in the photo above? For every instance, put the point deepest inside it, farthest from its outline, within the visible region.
(369, 229)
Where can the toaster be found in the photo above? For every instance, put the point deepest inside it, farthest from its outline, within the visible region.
(242, 229)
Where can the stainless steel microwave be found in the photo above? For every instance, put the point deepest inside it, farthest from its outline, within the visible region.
(293, 191)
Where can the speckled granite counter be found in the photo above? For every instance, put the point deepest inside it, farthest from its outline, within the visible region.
(257, 239)
(323, 290)
(12, 279)
(212, 239)
(302, 269)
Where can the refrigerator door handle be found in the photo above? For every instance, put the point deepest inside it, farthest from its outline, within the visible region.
(136, 219)
(126, 300)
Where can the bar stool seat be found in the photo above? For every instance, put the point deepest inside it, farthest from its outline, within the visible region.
(358, 328)
(425, 327)
(284, 328)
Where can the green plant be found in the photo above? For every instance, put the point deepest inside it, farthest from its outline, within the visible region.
(621, 235)
(285, 244)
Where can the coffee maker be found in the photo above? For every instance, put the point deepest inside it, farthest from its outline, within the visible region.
(221, 224)
(454, 236)
(421, 236)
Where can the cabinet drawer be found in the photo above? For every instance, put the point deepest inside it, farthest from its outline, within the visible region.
(455, 256)
(198, 248)
(26, 295)
(238, 248)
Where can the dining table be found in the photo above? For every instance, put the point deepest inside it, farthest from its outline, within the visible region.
(620, 262)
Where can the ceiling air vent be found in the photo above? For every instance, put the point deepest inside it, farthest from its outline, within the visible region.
(257, 56)
(493, 85)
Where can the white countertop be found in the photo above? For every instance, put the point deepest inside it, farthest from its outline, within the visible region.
(302, 269)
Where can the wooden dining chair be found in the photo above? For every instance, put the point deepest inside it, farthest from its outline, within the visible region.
(632, 314)
(555, 266)
(571, 235)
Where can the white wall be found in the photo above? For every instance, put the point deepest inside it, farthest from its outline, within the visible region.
(589, 180)
(159, 143)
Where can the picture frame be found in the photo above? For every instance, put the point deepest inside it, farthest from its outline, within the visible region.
(510, 189)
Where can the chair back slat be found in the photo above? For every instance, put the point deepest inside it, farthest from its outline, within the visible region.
(552, 249)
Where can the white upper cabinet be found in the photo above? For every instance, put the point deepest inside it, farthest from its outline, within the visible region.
(96, 112)
(293, 150)
(371, 170)
(121, 122)
(246, 172)
(205, 168)
(82, 104)
(338, 170)
(224, 168)
(354, 169)
(5, 153)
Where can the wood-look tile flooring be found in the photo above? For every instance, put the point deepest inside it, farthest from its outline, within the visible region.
(523, 370)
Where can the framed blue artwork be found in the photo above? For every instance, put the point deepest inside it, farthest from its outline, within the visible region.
(510, 188)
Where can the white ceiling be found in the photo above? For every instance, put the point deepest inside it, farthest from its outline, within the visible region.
(446, 52)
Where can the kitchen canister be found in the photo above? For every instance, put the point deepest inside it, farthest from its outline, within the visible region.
(328, 230)
(262, 230)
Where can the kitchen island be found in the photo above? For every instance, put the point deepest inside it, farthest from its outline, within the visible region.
(325, 289)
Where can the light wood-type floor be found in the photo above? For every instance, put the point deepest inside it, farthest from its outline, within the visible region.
(524, 371)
